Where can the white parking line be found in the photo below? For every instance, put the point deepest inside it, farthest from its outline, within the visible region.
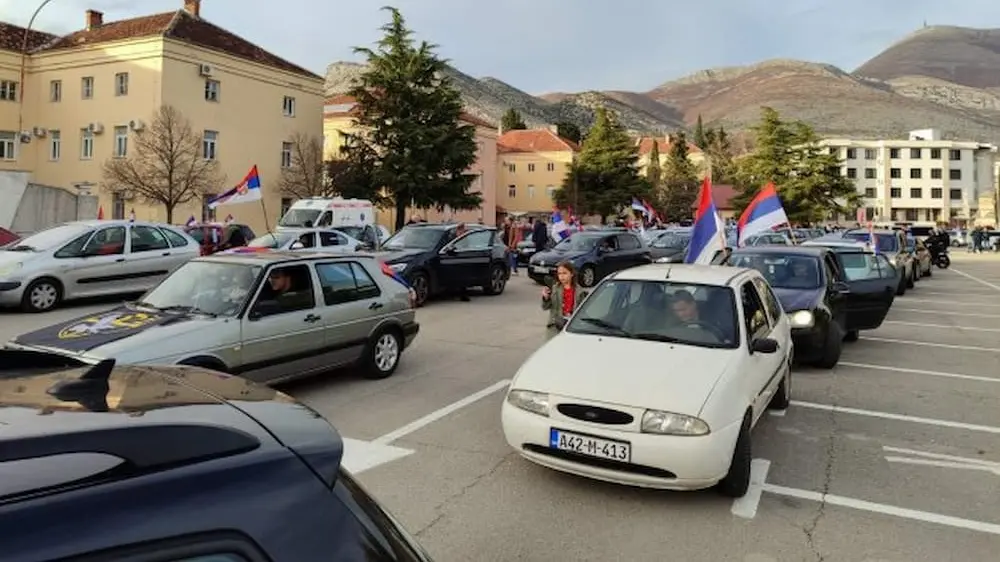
(945, 312)
(898, 417)
(885, 509)
(940, 456)
(746, 506)
(436, 415)
(951, 302)
(933, 344)
(944, 464)
(917, 372)
(956, 293)
(978, 280)
(942, 326)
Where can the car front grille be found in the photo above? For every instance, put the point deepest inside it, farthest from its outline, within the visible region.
(595, 414)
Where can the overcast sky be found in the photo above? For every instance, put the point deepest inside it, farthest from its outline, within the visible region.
(561, 45)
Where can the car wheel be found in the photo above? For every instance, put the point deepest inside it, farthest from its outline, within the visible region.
(851, 335)
(737, 480)
(783, 396)
(930, 269)
(832, 349)
(421, 286)
(498, 280)
(41, 295)
(912, 279)
(382, 355)
(901, 290)
(588, 276)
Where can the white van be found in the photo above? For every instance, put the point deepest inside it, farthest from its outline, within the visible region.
(323, 212)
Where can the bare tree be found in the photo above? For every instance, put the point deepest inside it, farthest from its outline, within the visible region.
(165, 165)
(306, 176)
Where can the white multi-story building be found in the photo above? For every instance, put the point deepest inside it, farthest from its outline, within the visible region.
(921, 178)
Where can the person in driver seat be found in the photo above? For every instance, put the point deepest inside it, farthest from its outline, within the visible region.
(279, 289)
(650, 314)
(685, 308)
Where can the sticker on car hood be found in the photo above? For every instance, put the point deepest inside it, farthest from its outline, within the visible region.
(89, 332)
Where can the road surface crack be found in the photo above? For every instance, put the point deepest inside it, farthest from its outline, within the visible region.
(441, 508)
(810, 528)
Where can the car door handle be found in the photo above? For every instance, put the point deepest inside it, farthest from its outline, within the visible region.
(166, 253)
(375, 306)
(311, 318)
(119, 260)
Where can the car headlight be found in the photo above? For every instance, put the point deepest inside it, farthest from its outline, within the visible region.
(802, 319)
(666, 423)
(534, 402)
(9, 269)
(398, 267)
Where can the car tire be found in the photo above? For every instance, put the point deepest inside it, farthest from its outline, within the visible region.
(498, 280)
(588, 276)
(901, 290)
(42, 295)
(831, 350)
(382, 354)
(852, 335)
(912, 279)
(783, 396)
(737, 481)
(421, 286)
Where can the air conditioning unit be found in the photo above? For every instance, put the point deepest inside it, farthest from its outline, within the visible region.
(25, 137)
(136, 125)
(95, 128)
(204, 70)
(40, 132)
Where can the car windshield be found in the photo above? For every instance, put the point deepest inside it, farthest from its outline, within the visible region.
(860, 265)
(49, 238)
(671, 241)
(660, 311)
(415, 238)
(272, 240)
(356, 232)
(300, 217)
(886, 242)
(782, 272)
(218, 289)
(578, 243)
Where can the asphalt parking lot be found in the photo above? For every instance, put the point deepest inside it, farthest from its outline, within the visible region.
(892, 456)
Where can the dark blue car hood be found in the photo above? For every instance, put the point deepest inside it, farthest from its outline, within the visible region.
(798, 299)
(555, 256)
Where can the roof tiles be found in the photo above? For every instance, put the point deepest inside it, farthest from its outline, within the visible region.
(534, 140)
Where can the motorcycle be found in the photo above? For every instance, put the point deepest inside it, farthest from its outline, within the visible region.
(939, 255)
(942, 260)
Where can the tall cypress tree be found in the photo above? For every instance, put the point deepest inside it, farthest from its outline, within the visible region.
(411, 141)
(654, 170)
(512, 120)
(680, 180)
(699, 139)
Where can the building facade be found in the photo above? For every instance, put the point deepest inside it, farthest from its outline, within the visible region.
(919, 179)
(664, 145)
(338, 122)
(532, 165)
(84, 98)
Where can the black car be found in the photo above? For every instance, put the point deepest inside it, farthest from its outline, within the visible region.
(828, 295)
(525, 249)
(596, 254)
(891, 243)
(670, 246)
(433, 261)
(139, 463)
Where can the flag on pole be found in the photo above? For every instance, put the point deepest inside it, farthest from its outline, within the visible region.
(762, 214)
(191, 222)
(638, 206)
(247, 191)
(707, 235)
(560, 230)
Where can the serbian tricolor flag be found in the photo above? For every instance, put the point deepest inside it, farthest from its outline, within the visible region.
(707, 236)
(248, 190)
(762, 214)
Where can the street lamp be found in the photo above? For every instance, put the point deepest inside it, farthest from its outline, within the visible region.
(24, 64)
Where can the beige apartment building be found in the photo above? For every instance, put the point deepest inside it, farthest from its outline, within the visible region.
(532, 165)
(921, 178)
(69, 103)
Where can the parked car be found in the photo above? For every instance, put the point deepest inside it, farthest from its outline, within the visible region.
(89, 259)
(7, 237)
(212, 235)
(327, 240)
(433, 261)
(525, 249)
(596, 254)
(828, 296)
(921, 256)
(269, 317)
(372, 235)
(713, 350)
(770, 239)
(96, 463)
(670, 247)
(892, 243)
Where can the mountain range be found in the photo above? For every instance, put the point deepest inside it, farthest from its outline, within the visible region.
(940, 77)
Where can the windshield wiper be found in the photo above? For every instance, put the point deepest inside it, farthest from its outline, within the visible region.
(21, 248)
(650, 336)
(606, 325)
(188, 309)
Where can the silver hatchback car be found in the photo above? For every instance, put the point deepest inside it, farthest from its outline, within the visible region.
(269, 317)
(89, 259)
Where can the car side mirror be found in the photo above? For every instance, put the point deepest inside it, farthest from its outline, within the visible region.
(297, 246)
(764, 345)
(841, 287)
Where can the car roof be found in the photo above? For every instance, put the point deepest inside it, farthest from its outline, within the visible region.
(278, 256)
(448, 226)
(717, 275)
(797, 250)
(882, 231)
(119, 222)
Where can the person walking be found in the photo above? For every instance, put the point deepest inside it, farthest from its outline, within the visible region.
(562, 298)
(540, 235)
(513, 239)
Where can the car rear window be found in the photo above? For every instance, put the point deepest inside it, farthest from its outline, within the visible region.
(886, 242)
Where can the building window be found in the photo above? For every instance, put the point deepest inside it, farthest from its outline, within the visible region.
(288, 106)
(55, 145)
(87, 87)
(915, 173)
(955, 194)
(511, 168)
(8, 143)
(937, 192)
(8, 90)
(852, 153)
(286, 155)
(911, 214)
(893, 153)
(955, 174)
(935, 154)
(895, 173)
(531, 192)
(954, 155)
(935, 173)
(915, 154)
(896, 192)
(55, 91)
(870, 193)
(86, 144)
(550, 191)
(834, 151)
(852, 173)
(211, 90)
(869, 173)
(121, 84)
(551, 167)
(916, 193)
(512, 191)
(531, 167)
(121, 142)
(208, 144)
(870, 154)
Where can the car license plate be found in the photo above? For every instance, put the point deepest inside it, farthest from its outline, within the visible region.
(540, 269)
(589, 445)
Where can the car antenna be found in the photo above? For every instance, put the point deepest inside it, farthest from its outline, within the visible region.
(667, 275)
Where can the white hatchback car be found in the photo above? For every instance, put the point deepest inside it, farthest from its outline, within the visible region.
(657, 380)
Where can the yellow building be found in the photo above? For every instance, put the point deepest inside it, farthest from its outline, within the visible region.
(533, 164)
(663, 144)
(85, 96)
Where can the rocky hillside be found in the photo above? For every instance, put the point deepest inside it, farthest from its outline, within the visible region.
(960, 55)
